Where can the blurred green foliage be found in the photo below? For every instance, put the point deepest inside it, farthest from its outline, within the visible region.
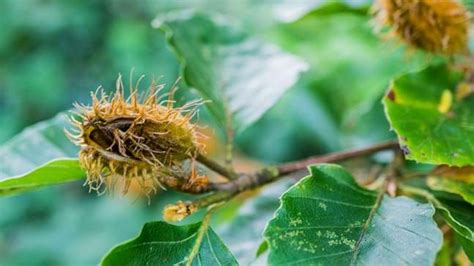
(54, 52)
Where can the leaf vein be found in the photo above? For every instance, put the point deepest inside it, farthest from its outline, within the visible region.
(333, 201)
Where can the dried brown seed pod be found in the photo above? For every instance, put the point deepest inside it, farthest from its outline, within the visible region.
(438, 26)
(124, 139)
(179, 211)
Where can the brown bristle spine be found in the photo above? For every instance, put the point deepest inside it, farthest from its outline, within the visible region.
(437, 26)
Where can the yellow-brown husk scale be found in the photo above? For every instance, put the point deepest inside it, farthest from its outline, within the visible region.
(125, 140)
(438, 26)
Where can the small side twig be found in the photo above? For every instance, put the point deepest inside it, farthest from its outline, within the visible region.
(393, 172)
(337, 156)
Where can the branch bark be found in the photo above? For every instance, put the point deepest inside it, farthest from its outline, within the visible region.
(246, 181)
(334, 157)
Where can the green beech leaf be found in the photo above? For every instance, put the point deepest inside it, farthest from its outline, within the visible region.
(289, 11)
(262, 248)
(160, 243)
(36, 158)
(327, 218)
(463, 189)
(468, 246)
(35, 146)
(54, 172)
(242, 76)
(458, 214)
(460, 217)
(432, 128)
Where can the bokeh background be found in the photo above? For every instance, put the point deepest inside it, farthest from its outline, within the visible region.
(54, 52)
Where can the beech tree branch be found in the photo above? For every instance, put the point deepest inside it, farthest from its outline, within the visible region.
(335, 157)
(246, 181)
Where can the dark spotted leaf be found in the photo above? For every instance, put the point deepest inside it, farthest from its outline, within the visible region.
(327, 218)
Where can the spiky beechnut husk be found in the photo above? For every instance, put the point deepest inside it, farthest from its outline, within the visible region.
(124, 140)
(437, 26)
